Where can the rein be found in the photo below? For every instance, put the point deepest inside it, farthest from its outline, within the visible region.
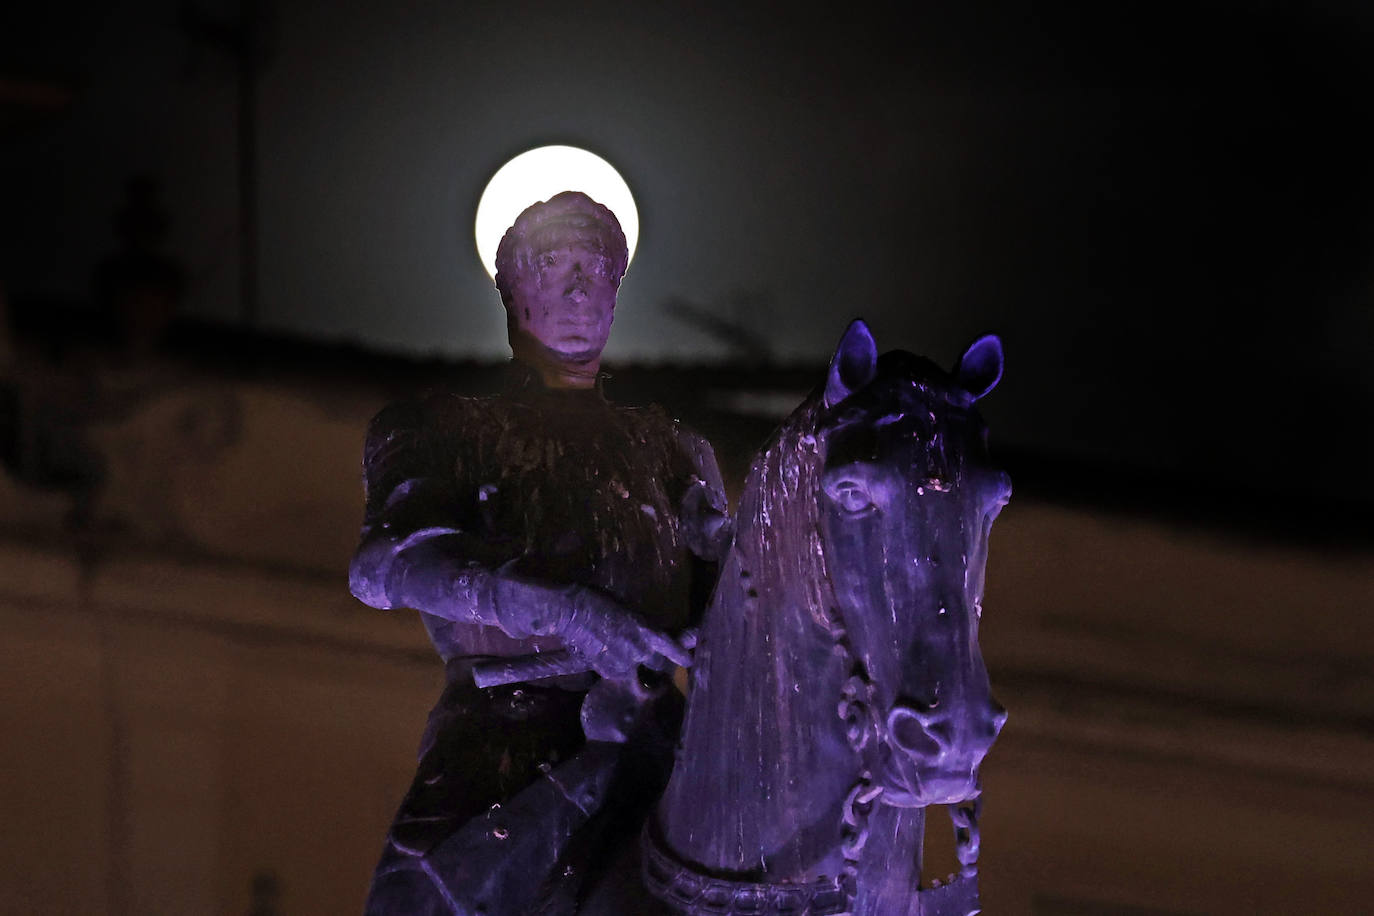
(697, 893)
(693, 892)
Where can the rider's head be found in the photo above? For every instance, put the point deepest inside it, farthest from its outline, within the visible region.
(558, 270)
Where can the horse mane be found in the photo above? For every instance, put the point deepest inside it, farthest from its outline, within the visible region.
(777, 526)
(782, 730)
(765, 762)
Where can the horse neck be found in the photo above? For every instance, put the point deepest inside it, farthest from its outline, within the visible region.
(764, 766)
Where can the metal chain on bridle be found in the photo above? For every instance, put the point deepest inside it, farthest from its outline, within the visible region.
(865, 731)
(698, 894)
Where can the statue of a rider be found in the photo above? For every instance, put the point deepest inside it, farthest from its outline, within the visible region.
(553, 541)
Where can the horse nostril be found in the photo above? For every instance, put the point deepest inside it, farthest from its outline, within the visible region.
(999, 717)
(909, 733)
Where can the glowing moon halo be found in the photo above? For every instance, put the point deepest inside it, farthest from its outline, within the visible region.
(538, 175)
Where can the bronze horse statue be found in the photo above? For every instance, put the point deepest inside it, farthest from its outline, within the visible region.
(838, 688)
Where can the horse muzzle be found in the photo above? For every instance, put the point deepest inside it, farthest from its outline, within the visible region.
(932, 755)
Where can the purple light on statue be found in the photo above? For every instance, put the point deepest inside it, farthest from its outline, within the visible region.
(552, 543)
(855, 582)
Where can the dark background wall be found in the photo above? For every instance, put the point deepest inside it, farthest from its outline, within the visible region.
(1164, 209)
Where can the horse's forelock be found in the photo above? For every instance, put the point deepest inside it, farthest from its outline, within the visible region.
(778, 523)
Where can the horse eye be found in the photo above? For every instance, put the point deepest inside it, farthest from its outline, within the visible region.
(851, 496)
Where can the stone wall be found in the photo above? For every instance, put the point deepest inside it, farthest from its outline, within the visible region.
(200, 719)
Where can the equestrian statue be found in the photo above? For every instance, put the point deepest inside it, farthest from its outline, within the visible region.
(560, 550)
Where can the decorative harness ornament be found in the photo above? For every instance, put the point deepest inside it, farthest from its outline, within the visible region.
(904, 473)
(693, 892)
(696, 893)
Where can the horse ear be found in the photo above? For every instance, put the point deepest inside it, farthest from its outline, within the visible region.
(854, 365)
(980, 368)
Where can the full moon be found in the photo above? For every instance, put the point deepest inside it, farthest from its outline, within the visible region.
(538, 175)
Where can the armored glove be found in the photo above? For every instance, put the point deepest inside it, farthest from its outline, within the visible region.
(592, 624)
(423, 572)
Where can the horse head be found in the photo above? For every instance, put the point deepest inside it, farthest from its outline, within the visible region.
(854, 581)
(907, 497)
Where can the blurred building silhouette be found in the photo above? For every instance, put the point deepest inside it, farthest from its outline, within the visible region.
(200, 719)
(1168, 209)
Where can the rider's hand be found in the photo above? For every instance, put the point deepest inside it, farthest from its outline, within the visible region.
(592, 624)
(611, 639)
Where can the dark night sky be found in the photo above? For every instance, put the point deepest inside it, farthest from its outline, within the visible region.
(1164, 210)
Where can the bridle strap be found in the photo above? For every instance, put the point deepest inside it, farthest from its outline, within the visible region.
(690, 891)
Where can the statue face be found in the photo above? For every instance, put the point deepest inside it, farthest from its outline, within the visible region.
(565, 301)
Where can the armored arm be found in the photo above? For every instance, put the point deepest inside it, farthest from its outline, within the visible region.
(415, 540)
(419, 550)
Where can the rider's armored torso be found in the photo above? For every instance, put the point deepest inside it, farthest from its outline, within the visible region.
(559, 486)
